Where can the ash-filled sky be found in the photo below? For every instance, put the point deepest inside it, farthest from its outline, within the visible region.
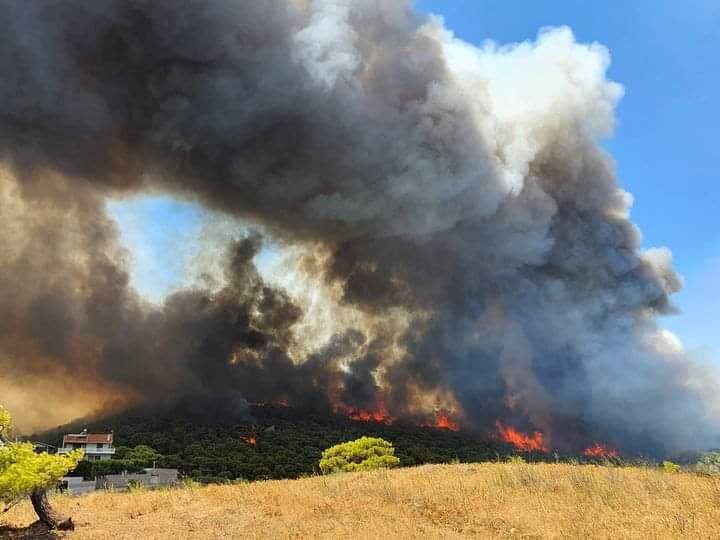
(662, 53)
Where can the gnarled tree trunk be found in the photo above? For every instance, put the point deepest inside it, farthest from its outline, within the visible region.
(47, 513)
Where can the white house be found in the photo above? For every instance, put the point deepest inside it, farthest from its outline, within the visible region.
(96, 446)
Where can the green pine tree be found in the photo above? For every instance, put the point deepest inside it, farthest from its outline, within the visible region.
(362, 454)
(23, 473)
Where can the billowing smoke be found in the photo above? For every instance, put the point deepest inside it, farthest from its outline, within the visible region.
(454, 199)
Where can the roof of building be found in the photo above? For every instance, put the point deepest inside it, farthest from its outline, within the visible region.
(91, 438)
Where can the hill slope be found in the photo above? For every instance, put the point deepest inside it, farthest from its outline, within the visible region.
(435, 501)
(286, 442)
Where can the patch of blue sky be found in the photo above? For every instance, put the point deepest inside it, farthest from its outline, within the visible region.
(160, 233)
(164, 237)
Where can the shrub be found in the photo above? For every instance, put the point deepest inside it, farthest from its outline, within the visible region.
(670, 467)
(92, 469)
(189, 483)
(134, 485)
(709, 463)
(516, 460)
(115, 466)
(363, 454)
(83, 469)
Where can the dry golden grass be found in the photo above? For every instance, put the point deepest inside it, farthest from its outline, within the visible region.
(490, 500)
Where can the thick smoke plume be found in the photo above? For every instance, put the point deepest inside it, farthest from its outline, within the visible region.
(455, 198)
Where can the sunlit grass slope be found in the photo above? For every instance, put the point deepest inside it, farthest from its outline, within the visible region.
(438, 501)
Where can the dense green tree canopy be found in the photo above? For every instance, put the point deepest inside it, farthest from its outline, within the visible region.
(363, 454)
(141, 454)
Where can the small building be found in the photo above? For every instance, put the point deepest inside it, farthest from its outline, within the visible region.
(96, 446)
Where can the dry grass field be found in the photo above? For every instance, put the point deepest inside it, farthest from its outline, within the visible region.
(488, 500)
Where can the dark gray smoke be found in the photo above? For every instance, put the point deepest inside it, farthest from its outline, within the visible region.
(462, 188)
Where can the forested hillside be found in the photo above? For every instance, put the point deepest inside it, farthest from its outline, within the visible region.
(271, 441)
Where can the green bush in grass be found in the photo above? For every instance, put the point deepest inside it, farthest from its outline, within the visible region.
(363, 454)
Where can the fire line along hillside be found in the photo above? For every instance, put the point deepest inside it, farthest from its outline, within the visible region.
(273, 441)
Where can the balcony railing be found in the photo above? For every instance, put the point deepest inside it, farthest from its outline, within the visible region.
(67, 450)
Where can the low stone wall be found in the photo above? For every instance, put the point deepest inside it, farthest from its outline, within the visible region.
(78, 486)
(151, 478)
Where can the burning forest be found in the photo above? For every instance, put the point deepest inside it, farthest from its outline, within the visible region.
(464, 251)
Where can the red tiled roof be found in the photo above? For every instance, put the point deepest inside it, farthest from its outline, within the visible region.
(92, 438)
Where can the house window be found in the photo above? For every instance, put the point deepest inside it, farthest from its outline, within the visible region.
(100, 446)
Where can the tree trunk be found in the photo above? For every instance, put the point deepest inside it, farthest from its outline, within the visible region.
(47, 514)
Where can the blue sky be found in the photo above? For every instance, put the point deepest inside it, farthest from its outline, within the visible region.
(163, 236)
(665, 53)
(160, 234)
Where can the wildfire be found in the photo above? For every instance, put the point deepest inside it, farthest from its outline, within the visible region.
(249, 439)
(442, 421)
(599, 450)
(522, 441)
(380, 415)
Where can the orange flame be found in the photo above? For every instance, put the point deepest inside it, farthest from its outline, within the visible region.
(442, 421)
(250, 440)
(380, 415)
(599, 450)
(522, 441)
